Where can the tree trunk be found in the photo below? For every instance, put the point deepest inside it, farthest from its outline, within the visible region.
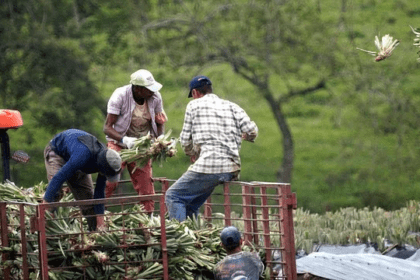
(284, 174)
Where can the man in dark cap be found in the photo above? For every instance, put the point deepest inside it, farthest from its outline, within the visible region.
(72, 156)
(237, 265)
(212, 134)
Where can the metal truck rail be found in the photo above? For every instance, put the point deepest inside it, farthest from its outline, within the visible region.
(262, 211)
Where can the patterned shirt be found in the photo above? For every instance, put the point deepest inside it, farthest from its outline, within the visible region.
(122, 104)
(239, 266)
(140, 121)
(212, 131)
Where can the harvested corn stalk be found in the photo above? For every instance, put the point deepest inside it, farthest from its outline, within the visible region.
(417, 39)
(145, 148)
(385, 47)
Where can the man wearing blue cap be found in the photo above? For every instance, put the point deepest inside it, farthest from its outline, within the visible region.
(237, 265)
(212, 134)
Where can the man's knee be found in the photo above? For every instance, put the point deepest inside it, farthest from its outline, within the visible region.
(169, 195)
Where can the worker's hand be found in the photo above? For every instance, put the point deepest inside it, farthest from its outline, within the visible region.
(129, 141)
(249, 136)
(193, 158)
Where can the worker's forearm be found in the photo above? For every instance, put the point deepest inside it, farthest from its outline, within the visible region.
(112, 133)
(160, 129)
(108, 127)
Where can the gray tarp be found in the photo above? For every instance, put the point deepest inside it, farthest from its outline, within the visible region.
(358, 266)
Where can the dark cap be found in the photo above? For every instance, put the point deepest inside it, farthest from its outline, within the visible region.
(230, 237)
(198, 82)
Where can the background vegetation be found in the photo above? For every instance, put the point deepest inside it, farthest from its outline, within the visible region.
(337, 125)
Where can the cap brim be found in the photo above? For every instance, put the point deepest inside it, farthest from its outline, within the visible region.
(190, 94)
(155, 87)
(113, 179)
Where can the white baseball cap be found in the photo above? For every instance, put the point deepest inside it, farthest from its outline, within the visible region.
(145, 79)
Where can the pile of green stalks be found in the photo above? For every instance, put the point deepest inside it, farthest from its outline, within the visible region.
(416, 43)
(193, 246)
(146, 148)
(351, 226)
(130, 248)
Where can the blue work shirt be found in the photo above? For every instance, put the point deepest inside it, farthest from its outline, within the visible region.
(80, 151)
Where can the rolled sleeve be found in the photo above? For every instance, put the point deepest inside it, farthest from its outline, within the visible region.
(252, 133)
(115, 103)
(161, 118)
(248, 127)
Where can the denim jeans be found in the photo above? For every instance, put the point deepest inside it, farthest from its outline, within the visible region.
(184, 198)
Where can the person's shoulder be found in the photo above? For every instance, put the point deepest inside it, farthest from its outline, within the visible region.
(254, 257)
(250, 254)
(157, 96)
(122, 90)
(193, 103)
(73, 132)
(226, 260)
(219, 263)
(223, 100)
(233, 104)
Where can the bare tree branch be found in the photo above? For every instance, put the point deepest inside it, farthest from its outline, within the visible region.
(303, 92)
(170, 23)
(167, 24)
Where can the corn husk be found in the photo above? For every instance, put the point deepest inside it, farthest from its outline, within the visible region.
(416, 31)
(385, 47)
(145, 148)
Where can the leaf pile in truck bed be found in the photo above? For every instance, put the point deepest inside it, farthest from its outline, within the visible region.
(129, 248)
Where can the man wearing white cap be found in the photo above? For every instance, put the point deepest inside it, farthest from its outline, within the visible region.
(135, 110)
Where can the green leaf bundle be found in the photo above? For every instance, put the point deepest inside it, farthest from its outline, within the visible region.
(145, 148)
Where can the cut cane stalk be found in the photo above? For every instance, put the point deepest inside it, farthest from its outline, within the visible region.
(416, 40)
(145, 149)
(385, 47)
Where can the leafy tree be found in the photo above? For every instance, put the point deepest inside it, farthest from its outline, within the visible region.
(274, 45)
(45, 72)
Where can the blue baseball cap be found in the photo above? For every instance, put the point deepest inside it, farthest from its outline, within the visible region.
(198, 82)
(230, 237)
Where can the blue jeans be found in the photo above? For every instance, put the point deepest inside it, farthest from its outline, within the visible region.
(184, 198)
